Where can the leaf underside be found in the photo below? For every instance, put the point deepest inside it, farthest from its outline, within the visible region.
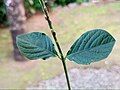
(35, 45)
(92, 46)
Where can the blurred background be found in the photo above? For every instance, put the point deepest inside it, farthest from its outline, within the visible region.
(71, 18)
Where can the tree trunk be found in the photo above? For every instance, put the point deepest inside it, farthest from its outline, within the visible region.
(16, 16)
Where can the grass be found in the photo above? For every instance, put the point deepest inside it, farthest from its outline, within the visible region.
(4, 42)
(71, 23)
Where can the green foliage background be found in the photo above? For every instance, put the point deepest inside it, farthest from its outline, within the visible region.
(33, 6)
(64, 2)
(3, 17)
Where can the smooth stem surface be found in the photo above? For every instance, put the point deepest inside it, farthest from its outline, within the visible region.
(56, 41)
(66, 73)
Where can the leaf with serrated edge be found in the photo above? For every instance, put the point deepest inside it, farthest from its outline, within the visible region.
(35, 45)
(92, 46)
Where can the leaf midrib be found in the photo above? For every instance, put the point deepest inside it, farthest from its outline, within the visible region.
(88, 49)
(37, 47)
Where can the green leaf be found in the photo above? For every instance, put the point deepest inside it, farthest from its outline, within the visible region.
(92, 46)
(35, 45)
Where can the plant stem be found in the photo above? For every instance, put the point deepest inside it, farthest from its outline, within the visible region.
(66, 74)
(56, 41)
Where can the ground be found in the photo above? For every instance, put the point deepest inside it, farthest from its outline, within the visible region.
(89, 78)
(69, 23)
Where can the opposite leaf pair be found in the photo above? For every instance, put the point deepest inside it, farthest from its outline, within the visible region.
(92, 46)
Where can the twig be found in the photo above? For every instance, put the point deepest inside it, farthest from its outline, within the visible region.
(44, 8)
